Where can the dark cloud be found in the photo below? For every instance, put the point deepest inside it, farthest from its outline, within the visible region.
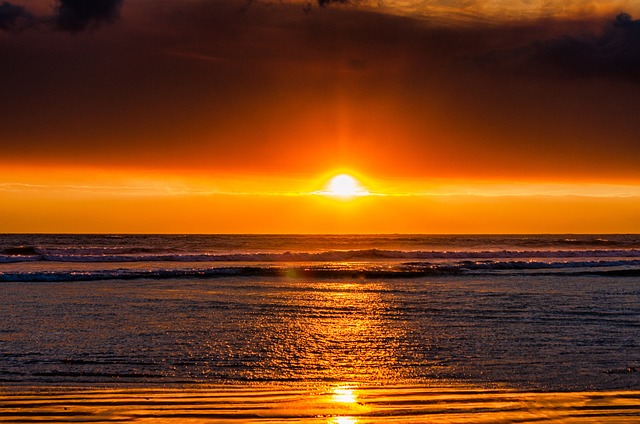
(324, 3)
(78, 15)
(14, 18)
(308, 6)
(613, 53)
(70, 15)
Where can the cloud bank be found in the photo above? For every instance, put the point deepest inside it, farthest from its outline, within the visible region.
(78, 15)
(613, 52)
(14, 18)
(69, 15)
(212, 85)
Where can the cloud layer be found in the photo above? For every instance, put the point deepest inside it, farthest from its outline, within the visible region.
(13, 17)
(214, 85)
(78, 15)
(612, 51)
(69, 15)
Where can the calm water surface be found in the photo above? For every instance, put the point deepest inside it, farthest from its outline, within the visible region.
(528, 332)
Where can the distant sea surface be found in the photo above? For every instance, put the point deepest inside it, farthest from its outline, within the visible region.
(366, 317)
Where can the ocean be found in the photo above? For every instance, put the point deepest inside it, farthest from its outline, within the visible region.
(333, 328)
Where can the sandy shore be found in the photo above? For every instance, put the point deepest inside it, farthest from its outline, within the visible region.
(339, 404)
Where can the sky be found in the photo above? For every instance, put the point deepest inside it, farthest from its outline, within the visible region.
(230, 116)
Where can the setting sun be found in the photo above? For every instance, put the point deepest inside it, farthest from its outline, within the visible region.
(344, 186)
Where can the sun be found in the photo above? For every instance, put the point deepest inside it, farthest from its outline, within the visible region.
(344, 186)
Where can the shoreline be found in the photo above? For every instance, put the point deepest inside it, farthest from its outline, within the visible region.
(330, 403)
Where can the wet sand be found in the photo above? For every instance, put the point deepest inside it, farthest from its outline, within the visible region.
(339, 404)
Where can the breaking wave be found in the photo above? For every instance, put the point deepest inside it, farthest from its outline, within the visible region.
(31, 254)
(336, 270)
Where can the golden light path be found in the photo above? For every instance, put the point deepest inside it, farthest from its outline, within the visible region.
(345, 397)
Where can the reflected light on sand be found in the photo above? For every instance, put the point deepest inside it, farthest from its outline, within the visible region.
(343, 395)
(271, 404)
(344, 420)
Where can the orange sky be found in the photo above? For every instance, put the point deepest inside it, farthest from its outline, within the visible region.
(226, 116)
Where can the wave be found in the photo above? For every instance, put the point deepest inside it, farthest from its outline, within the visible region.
(631, 242)
(290, 272)
(592, 242)
(336, 270)
(21, 251)
(31, 254)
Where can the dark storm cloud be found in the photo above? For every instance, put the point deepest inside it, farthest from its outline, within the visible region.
(14, 18)
(613, 53)
(77, 15)
(70, 15)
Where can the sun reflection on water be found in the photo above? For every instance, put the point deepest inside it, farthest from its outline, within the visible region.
(346, 399)
(345, 335)
(339, 331)
(344, 395)
(344, 420)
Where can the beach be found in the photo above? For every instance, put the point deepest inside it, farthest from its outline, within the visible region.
(342, 329)
(326, 404)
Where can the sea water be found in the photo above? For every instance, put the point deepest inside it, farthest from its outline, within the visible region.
(463, 315)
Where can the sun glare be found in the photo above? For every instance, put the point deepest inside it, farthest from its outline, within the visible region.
(344, 186)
